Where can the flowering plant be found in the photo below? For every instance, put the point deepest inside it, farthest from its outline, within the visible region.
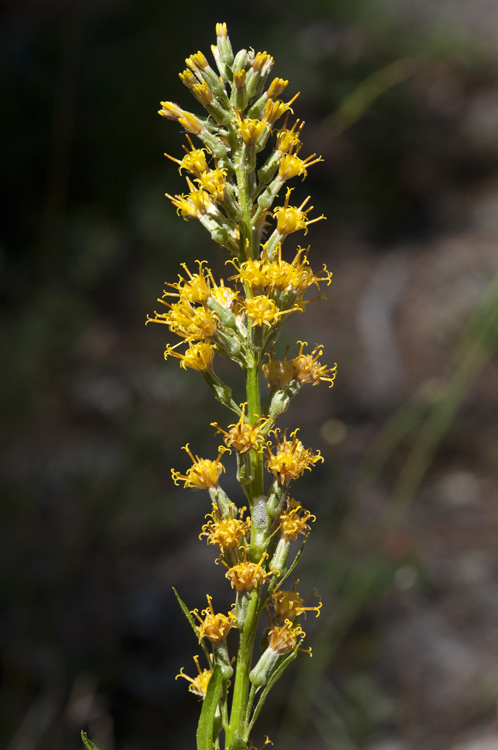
(232, 195)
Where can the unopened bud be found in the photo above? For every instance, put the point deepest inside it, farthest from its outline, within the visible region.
(223, 44)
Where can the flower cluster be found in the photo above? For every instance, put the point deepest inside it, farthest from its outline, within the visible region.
(244, 154)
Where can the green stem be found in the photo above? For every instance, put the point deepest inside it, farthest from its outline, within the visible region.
(245, 226)
(244, 659)
(242, 702)
(256, 489)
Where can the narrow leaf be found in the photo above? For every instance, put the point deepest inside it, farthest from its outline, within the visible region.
(273, 679)
(189, 617)
(205, 732)
(88, 743)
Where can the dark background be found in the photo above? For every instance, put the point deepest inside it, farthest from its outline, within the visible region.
(401, 99)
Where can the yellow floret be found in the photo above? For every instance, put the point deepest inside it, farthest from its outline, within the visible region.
(199, 684)
(226, 533)
(294, 521)
(308, 370)
(290, 459)
(282, 639)
(247, 575)
(203, 474)
(288, 605)
(291, 219)
(197, 357)
(214, 627)
(244, 436)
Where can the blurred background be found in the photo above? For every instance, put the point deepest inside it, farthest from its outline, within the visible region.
(400, 97)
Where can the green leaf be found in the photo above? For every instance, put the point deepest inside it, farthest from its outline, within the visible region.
(88, 743)
(189, 617)
(273, 679)
(205, 731)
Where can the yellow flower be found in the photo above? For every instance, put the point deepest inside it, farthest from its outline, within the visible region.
(278, 372)
(188, 79)
(275, 109)
(203, 94)
(282, 639)
(263, 311)
(197, 62)
(226, 533)
(291, 219)
(276, 87)
(194, 160)
(262, 62)
(203, 474)
(193, 205)
(294, 521)
(288, 140)
(252, 272)
(250, 130)
(296, 276)
(221, 31)
(171, 111)
(224, 296)
(243, 436)
(288, 605)
(278, 275)
(307, 369)
(198, 356)
(247, 575)
(200, 287)
(199, 684)
(292, 166)
(290, 459)
(189, 121)
(214, 182)
(187, 321)
(195, 289)
(214, 627)
(239, 79)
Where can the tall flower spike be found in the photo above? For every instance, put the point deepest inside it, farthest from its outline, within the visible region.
(232, 191)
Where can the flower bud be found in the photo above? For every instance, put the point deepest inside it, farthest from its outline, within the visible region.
(223, 44)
